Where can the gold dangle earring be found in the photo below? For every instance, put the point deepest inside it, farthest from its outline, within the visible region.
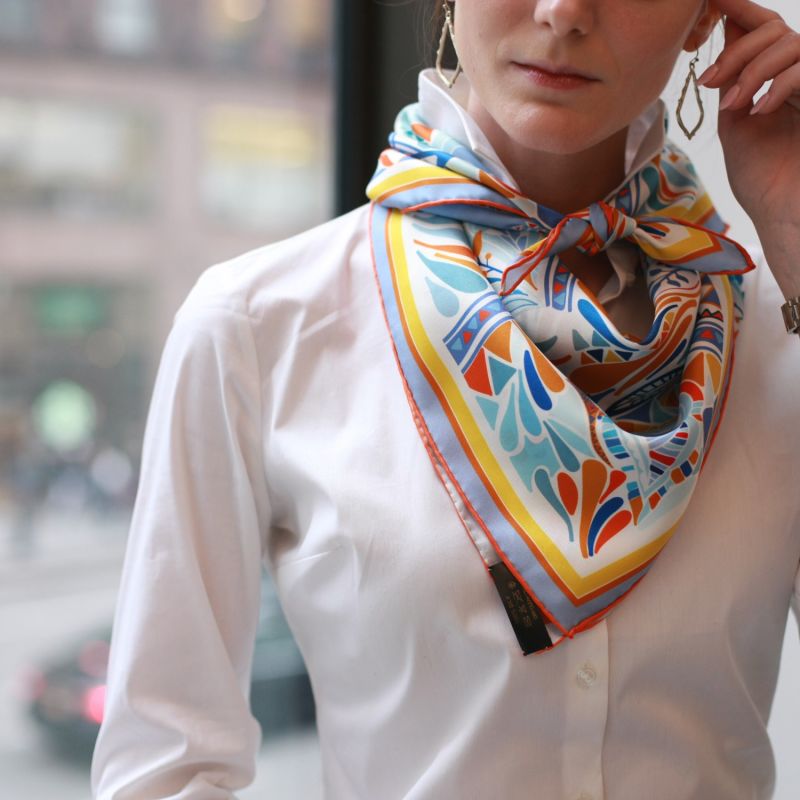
(448, 26)
(693, 77)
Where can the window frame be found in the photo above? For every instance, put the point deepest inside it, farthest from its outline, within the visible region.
(379, 48)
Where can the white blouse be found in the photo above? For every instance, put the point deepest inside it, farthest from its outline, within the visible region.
(279, 433)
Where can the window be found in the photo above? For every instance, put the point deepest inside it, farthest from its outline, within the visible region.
(17, 20)
(264, 167)
(141, 141)
(76, 158)
(127, 27)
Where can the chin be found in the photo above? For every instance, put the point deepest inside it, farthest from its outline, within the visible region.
(553, 133)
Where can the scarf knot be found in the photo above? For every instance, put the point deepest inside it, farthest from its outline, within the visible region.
(606, 224)
(667, 213)
(590, 230)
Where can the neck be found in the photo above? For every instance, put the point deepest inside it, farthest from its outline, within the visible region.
(564, 182)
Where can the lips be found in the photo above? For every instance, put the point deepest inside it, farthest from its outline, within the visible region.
(557, 69)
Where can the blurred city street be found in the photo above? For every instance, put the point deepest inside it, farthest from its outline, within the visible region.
(66, 587)
(140, 142)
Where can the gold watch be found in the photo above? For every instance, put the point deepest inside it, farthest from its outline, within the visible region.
(791, 315)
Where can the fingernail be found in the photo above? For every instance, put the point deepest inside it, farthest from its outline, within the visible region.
(709, 74)
(730, 97)
(762, 101)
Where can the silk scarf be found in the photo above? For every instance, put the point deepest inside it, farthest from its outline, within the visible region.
(574, 447)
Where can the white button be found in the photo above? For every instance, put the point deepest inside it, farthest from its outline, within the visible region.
(586, 676)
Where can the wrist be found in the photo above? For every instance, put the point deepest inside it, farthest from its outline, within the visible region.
(781, 246)
(788, 284)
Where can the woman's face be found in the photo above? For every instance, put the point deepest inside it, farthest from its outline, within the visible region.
(630, 46)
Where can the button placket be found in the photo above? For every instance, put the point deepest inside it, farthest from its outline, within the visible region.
(586, 710)
(586, 676)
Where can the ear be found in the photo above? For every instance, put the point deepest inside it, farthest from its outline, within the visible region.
(709, 17)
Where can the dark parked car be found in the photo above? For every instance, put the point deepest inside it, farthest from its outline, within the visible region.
(66, 696)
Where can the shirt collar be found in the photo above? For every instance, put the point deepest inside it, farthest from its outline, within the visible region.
(446, 110)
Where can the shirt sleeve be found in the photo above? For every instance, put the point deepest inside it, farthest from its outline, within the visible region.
(177, 721)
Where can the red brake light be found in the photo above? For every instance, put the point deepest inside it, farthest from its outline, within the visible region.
(93, 703)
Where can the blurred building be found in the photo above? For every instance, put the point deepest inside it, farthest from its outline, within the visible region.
(140, 142)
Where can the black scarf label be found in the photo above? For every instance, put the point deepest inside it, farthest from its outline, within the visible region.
(526, 618)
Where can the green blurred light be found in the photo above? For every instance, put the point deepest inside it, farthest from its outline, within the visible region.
(64, 415)
(71, 309)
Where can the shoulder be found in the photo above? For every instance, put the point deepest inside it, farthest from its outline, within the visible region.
(248, 312)
(254, 282)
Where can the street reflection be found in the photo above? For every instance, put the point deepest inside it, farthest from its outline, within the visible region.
(140, 142)
(55, 609)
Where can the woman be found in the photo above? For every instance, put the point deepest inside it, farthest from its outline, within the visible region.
(487, 354)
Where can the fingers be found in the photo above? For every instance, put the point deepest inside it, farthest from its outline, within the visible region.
(748, 61)
(747, 14)
(741, 51)
(785, 89)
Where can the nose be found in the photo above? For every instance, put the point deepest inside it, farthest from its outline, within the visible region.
(565, 16)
